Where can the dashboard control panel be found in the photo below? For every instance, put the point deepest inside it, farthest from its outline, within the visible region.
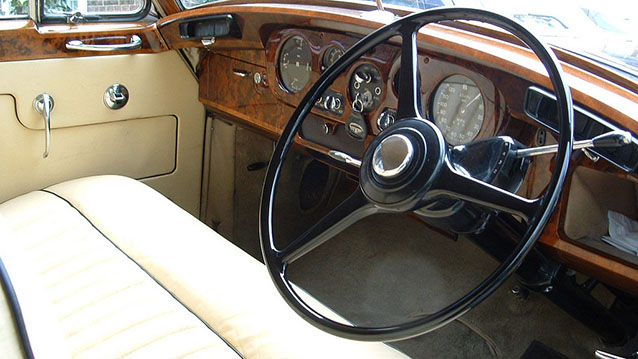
(463, 102)
(331, 101)
(366, 85)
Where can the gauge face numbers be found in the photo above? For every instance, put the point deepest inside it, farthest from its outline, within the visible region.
(330, 56)
(295, 64)
(366, 85)
(458, 109)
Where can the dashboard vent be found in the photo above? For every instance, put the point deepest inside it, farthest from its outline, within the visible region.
(541, 106)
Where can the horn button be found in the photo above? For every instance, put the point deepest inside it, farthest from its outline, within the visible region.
(392, 156)
(402, 163)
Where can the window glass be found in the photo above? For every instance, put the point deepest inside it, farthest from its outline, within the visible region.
(92, 7)
(14, 8)
(194, 3)
(605, 31)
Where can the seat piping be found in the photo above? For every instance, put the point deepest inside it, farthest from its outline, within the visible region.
(18, 319)
(145, 271)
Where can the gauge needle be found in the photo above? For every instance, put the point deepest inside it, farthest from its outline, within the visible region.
(469, 103)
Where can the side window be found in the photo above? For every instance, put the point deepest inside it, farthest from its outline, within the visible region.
(14, 9)
(76, 11)
(189, 4)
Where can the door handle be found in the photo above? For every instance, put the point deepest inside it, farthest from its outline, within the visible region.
(241, 73)
(135, 43)
(43, 104)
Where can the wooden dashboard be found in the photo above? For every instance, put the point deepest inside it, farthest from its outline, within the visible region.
(240, 79)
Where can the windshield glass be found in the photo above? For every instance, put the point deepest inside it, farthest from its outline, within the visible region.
(603, 30)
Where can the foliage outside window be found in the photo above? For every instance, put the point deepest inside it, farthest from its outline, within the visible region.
(92, 7)
(14, 8)
(20, 8)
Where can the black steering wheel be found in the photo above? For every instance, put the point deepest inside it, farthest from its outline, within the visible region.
(408, 164)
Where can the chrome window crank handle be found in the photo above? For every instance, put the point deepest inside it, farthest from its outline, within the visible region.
(43, 104)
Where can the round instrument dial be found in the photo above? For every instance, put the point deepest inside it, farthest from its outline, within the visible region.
(295, 64)
(458, 109)
(366, 85)
(330, 56)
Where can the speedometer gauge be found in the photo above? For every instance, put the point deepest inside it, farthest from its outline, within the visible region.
(295, 64)
(458, 109)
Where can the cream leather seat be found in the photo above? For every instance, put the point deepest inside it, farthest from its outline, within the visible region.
(106, 267)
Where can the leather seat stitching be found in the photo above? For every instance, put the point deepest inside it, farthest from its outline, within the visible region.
(102, 298)
(106, 316)
(80, 270)
(195, 351)
(105, 338)
(65, 261)
(160, 337)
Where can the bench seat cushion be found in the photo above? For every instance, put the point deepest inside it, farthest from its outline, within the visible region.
(128, 274)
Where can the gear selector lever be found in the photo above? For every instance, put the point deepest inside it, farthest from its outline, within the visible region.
(611, 139)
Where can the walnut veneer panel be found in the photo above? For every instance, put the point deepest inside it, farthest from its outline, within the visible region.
(225, 92)
(23, 40)
(258, 21)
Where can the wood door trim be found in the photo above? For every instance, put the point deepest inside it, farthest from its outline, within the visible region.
(24, 40)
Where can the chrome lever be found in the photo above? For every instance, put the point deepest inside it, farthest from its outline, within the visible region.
(604, 355)
(606, 140)
(344, 157)
(43, 105)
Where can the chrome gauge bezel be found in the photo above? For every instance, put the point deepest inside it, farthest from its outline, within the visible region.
(280, 74)
(326, 51)
(435, 115)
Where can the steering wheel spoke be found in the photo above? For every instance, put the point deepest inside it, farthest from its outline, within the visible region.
(353, 209)
(455, 184)
(409, 98)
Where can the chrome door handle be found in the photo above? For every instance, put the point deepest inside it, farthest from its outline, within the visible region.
(136, 43)
(241, 73)
(43, 104)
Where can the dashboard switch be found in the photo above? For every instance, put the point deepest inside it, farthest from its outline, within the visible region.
(386, 119)
(331, 101)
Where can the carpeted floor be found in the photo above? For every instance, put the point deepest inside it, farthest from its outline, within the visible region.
(389, 267)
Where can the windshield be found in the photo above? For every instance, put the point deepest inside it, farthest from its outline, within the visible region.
(603, 30)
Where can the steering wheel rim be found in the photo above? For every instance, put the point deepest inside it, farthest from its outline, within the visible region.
(540, 212)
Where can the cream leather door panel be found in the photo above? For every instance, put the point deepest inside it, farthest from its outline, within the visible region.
(157, 136)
